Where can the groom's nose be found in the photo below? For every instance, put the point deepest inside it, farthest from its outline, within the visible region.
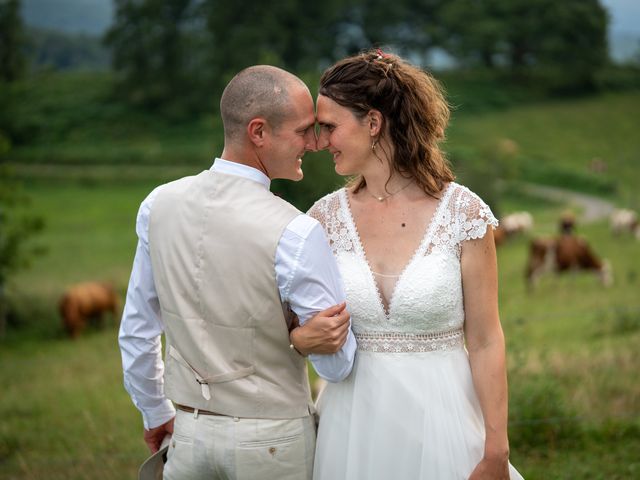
(310, 140)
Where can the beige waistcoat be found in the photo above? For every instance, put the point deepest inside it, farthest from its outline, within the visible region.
(212, 239)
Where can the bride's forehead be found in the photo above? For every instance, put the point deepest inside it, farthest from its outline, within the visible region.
(329, 111)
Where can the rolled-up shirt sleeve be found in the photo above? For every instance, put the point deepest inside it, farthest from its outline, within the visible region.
(309, 280)
(140, 333)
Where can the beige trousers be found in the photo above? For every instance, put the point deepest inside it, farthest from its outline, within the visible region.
(226, 448)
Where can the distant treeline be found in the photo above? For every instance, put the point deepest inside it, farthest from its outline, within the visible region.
(169, 55)
(169, 52)
(51, 49)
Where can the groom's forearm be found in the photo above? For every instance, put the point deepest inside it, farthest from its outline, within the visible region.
(325, 333)
(336, 367)
(329, 342)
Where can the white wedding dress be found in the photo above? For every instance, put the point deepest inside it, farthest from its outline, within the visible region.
(408, 410)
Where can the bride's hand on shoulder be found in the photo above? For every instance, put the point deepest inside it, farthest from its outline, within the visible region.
(491, 469)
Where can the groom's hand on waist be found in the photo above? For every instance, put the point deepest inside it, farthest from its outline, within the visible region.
(324, 333)
(154, 436)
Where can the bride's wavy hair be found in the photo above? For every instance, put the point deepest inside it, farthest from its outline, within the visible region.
(413, 107)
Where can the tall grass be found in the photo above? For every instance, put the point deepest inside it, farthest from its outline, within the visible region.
(64, 411)
(572, 367)
(559, 140)
(572, 345)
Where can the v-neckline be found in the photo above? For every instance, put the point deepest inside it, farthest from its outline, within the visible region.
(355, 234)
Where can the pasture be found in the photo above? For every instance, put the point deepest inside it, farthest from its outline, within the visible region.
(572, 345)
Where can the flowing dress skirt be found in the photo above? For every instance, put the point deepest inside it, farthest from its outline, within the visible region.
(405, 416)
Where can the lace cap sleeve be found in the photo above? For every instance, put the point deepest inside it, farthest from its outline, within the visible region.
(327, 212)
(473, 215)
(320, 211)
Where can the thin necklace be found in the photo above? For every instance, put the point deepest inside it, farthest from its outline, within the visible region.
(383, 198)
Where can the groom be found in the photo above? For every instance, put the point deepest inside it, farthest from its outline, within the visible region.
(221, 266)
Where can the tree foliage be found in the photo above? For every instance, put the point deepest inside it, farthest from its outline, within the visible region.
(50, 49)
(563, 44)
(12, 62)
(168, 51)
(16, 228)
(150, 51)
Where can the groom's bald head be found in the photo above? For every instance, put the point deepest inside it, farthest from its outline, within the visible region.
(258, 91)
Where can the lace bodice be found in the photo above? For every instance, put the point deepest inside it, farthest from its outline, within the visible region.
(427, 298)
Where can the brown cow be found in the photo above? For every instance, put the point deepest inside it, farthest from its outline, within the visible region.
(499, 235)
(562, 254)
(87, 302)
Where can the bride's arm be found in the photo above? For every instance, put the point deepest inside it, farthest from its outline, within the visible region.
(485, 343)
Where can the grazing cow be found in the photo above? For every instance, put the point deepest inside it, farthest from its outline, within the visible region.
(597, 165)
(567, 223)
(517, 222)
(562, 254)
(87, 302)
(624, 220)
(511, 225)
(499, 235)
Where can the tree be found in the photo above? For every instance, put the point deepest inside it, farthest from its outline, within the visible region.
(64, 51)
(16, 228)
(12, 61)
(410, 26)
(150, 53)
(292, 34)
(571, 54)
(185, 51)
(473, 31)
(562, 43)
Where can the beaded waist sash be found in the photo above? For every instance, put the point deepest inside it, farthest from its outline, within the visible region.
(397, 342)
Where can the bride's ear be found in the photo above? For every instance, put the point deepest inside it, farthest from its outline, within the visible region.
(374, 118)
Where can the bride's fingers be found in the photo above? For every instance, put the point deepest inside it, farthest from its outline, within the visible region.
(334, 310)
(342, 318)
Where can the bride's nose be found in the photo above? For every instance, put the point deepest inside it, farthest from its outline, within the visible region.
(323, 139)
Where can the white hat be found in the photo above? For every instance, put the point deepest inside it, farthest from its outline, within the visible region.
(153, 466)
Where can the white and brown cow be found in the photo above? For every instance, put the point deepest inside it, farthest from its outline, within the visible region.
(515, 223)
(564, 253)
(625, 221)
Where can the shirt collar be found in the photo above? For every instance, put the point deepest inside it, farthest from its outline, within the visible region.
(232, 168)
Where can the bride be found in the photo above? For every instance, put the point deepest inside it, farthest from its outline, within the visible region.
(427, 398)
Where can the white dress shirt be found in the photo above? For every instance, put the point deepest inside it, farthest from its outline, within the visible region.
(307, 277)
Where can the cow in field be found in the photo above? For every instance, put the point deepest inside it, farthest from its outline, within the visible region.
(564, 253)
(499, 235)
(513, 224)
(87, 302)
(517, 222)
(625, 221)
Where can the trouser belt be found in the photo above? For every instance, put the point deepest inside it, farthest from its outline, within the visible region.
(184, 408)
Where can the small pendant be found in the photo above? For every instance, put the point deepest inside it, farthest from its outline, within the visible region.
(380, 199)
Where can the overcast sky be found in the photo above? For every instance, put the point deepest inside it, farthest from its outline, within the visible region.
(93, 16)
(625, 15)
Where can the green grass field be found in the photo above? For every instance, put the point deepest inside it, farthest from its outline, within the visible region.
(572, 345)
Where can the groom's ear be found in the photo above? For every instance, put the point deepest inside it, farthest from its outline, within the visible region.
(256, 129)
(374, 117)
